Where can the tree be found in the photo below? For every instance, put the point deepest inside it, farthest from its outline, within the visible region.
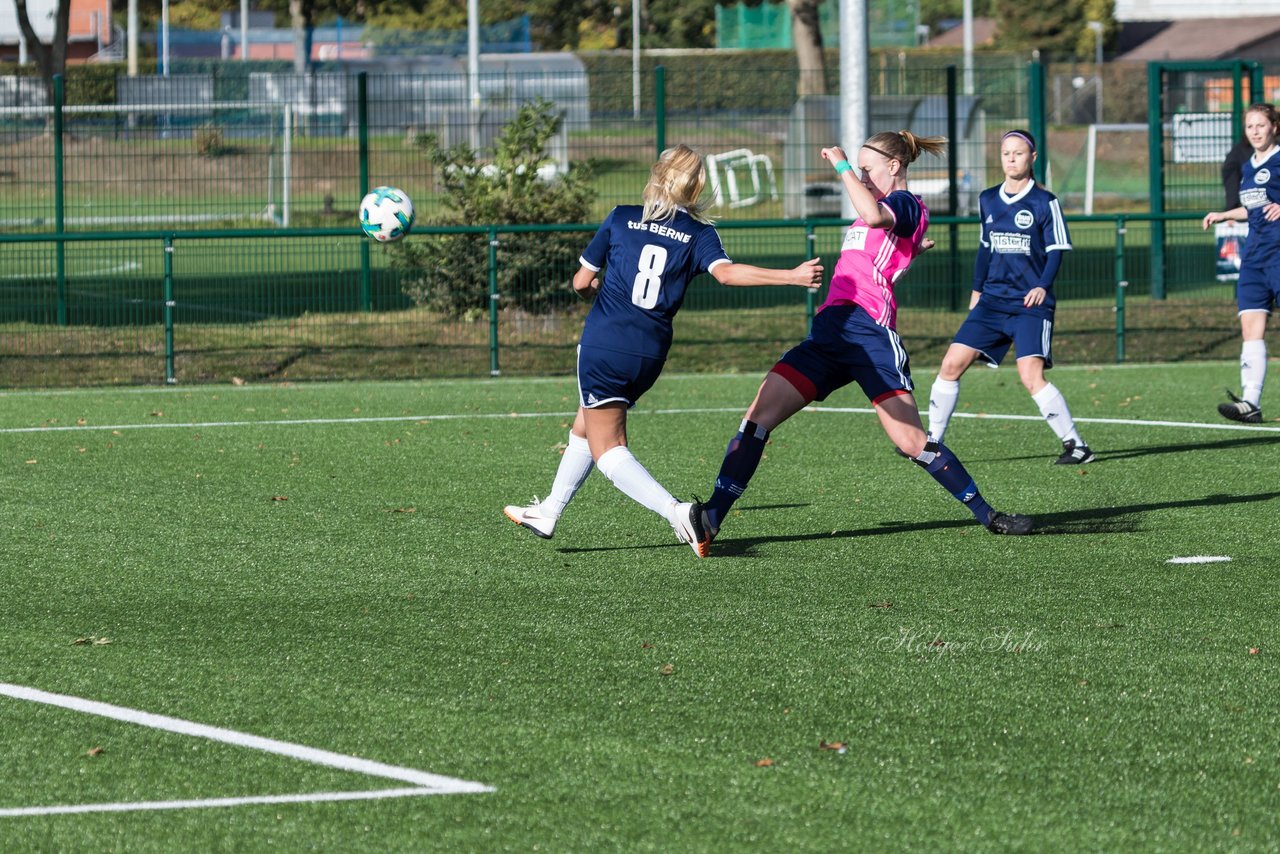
(52, 57)
(447, 272)
(1050, 28)
(1103, 11)
(806, 34)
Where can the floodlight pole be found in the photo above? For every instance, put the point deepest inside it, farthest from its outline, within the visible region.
(132, 38)
(164, 37)
(855, 90)
(967, 32)
(473, 69)
(635, 58)
(1096, 26)
(473, 53)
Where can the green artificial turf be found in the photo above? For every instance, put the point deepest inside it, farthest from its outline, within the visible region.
(859, 666)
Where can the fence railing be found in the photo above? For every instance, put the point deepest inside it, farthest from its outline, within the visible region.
(277, 304)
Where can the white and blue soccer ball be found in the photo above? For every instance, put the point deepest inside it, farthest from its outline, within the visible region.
(386, 214)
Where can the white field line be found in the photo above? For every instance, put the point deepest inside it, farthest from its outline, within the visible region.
(492, 416)
(426, 783)
(303, 387)
(119, 268)
(206, 803)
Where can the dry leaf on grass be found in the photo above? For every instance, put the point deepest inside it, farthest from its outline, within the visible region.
(764, 763)
(279, 498)
(93, 751)
(837, 746)
(667, 669)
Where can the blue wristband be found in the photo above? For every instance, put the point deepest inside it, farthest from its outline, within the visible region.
(843, 166)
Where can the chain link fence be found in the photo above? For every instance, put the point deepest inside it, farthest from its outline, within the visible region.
(202, 227)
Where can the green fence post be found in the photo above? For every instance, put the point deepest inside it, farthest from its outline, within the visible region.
(660, 107)
(362, 113)
(953, 191)
(1121, 285)
(810, 294)
(59, 198)
(493, 302)
(170, 376)
(1036, 118)
(1155, 179)
(1237, 102)
(1257, 87)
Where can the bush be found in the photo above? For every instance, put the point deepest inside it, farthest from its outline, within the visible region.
(449, 272)
(208, 141)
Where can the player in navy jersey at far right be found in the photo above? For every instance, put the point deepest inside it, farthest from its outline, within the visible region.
(1258, 286)
(1023, 239)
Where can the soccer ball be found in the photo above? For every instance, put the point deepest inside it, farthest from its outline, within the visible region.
(386, 214)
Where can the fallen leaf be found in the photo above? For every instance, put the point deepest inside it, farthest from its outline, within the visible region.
(646, 646)
(837, 746)
(764, 763)
(279, 498)
(880, 605)
(667, 669)
(157, 414)
(1254, 650)
(93, 751)
(81, 422)
(101, 641)
(237, 381)
(32, 462)
(81, 641)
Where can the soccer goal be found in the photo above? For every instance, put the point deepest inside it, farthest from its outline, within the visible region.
(152, 164)
(1091, 155)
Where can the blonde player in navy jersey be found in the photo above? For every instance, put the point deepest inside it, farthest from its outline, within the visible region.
(649, 254)
(1021, 246)
(1258, 287)
(854, 337)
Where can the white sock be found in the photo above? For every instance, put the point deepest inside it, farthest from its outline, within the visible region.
(942, 402)
(1053, 406)
(575, 465)
(634, 480)
(1253, 370)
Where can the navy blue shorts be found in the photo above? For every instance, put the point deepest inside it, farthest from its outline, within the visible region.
(1258, 288)
(844, 346)
(606, 376)
(990, 331)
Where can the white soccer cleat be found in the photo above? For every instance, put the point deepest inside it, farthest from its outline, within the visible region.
(686, 521)
(532, 517)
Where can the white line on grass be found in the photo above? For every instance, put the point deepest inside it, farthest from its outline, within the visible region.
(427, 783)
(206, 803)
(105, 271)
(1200, 559)
(464, 416)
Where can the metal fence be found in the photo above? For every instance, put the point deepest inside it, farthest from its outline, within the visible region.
(105, 279)
(268, 305)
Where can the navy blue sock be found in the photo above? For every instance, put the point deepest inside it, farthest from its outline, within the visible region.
(740, 460)
(947, 470)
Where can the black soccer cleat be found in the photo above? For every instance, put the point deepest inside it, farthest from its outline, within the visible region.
(1240, 410)
(1010, 524)
(1074, 455)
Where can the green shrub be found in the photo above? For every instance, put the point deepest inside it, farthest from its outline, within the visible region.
(449, 272)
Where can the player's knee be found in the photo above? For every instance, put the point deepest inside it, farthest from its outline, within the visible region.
(924, 455)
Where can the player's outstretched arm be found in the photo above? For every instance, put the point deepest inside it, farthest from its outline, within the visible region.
(1221, 216)
(808, 275)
